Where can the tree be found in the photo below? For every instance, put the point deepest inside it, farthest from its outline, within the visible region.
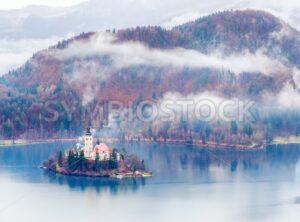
(71, 161)
(183, 124)
(203, 138)
(247, 129)
(18, 124)
(82, 161)
(96, 166)
(203, 128)
(62, 129)
(60, 158)
(7, 130)
(143, 167)
(114, 155)
(163, 132)
(269, 133)
(233, 127)
(76, 156)
(54, 167)
(196, 126)
(149, 132)
(205, 132)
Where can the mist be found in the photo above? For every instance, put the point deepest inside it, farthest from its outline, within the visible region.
(14, 53)
(135, 54)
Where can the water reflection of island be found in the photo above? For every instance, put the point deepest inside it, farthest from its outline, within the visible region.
(114, 186)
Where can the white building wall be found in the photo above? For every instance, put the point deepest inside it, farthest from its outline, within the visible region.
(88, 146)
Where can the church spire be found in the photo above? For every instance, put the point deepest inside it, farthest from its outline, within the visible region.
(88, 132)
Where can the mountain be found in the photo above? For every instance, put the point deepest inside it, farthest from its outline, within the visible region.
(230, 31)
(39, 21)
(227, 33)
(249, 55)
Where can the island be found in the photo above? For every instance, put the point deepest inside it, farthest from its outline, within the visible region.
(96, 161)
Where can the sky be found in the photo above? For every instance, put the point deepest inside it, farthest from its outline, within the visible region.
(17, 4)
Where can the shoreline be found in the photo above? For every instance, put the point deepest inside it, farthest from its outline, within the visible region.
(21, 142)
(209, 145)
(197, 143)
(286, 140)
(107, 174)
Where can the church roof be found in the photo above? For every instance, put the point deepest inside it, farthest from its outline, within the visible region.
(102, 148)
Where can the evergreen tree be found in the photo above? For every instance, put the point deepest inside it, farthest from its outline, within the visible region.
(7, 130)
(205, 132)
(143, 165)
(82, 161)
(247, 129)
(203, 128)
(60, 158)
(96, 166)
(269, 133)
(203, 138)
(233, 127)
(71, 161)
(207, 129)
(76, 156)
(183, 124)
(149, 132)
(114, 155)
(54, 167)
(18, 124)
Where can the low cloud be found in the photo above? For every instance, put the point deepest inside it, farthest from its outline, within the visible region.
(129, 54)
(134, 54)
(14, 53)
(286, 100)
(289, 98)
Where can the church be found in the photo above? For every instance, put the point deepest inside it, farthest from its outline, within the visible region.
(90, 151)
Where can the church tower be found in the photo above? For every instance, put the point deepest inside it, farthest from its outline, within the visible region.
(88, 143)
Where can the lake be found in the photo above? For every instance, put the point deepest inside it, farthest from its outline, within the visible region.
(189, 184)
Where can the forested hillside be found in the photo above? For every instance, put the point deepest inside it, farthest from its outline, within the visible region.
(249, 55)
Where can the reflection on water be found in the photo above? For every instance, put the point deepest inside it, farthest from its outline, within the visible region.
(99, 184)
(189, 184)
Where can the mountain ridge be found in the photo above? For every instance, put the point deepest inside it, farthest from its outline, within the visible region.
(183, 37)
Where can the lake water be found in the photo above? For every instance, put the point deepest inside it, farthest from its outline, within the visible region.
(189, 184)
